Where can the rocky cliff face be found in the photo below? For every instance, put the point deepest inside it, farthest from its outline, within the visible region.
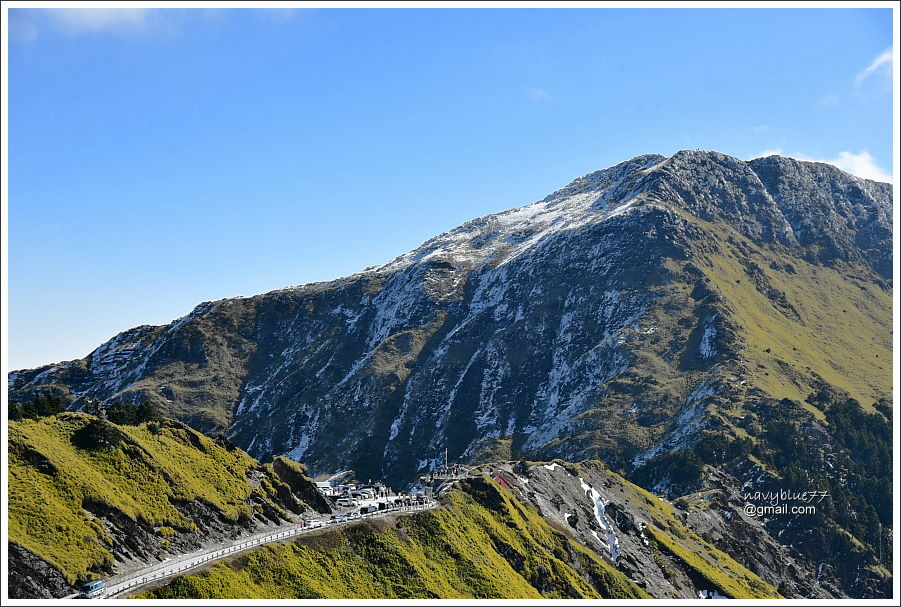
(649, 539)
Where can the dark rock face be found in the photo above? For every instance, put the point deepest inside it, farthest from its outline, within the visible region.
(715, 186)
(31, 577)
(293, 474)
(562, 492)
(831, 217)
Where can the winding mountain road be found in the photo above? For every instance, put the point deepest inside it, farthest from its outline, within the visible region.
(172, 566)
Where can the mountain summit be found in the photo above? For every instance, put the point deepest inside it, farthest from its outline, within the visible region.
(617, 317)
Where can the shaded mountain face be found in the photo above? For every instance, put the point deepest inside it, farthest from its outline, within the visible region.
(619, 318)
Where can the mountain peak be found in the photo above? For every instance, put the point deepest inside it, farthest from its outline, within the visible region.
(499, 237)
(597, 180)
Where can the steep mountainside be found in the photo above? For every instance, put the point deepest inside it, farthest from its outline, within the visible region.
(659, 315)
(679, 549)
(602, 320)
(87, 497)
(484, 543)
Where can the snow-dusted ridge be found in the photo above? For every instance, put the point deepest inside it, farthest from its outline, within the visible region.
(502, 236)
(519, 323)
(499, 237)
(593, 324)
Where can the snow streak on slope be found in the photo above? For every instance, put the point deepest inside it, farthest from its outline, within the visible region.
(601, 516)
(685, 424)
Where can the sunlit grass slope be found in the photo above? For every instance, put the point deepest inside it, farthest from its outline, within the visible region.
(483, 544)
(56, 486)
(843, 328)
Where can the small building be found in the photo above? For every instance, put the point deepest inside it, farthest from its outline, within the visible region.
(500, 481)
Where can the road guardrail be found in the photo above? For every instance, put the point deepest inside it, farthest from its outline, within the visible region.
(115, 588)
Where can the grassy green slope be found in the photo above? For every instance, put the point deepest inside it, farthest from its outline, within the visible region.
(844, 329)
(483, 544)
(53, 484)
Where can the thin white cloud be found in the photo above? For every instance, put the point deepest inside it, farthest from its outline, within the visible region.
(829, 100)
(863, 164)
(26, 24)
(769, 152)
(22, 27)
(539, 94)
(884, 59)
(89, 20)
(280, 14)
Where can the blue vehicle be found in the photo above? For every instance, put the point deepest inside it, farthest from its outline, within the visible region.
(93, 588)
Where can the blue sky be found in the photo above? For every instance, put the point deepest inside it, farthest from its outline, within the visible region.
(163, 157)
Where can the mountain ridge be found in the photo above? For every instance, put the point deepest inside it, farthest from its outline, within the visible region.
(89, 497)
(650, 160)
(444, 264)
(668, 316)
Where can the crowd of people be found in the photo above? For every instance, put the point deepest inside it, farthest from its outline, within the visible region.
(449, 471)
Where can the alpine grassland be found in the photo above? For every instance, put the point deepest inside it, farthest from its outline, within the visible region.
(68, 470)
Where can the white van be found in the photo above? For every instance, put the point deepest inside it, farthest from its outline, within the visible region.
(347, 501)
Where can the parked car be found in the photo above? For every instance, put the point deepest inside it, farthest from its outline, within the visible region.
(339, 518)
(368, 509)
(347, 502)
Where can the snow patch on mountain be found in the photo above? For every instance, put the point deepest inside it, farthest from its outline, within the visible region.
(686, 423)
(600, 513)
(708, 339)
(504, 236)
